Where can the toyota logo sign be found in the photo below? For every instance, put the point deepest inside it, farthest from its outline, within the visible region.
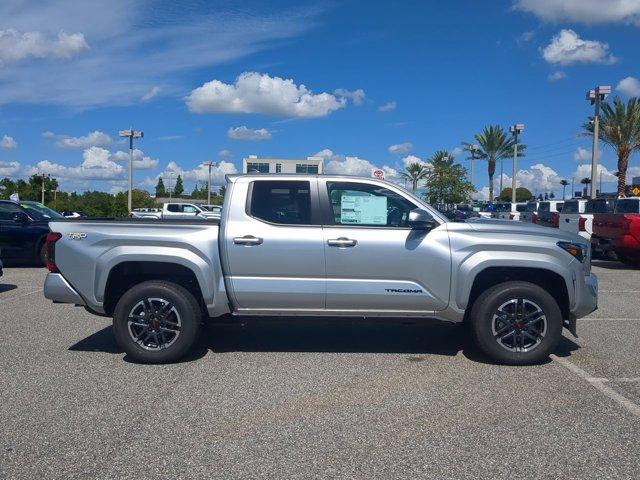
(377, 173)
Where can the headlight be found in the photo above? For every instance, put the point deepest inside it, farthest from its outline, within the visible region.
(576, 250)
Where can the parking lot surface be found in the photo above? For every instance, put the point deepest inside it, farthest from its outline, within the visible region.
(297, 398)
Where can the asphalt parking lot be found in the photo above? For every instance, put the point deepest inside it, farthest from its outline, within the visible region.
(316, 399)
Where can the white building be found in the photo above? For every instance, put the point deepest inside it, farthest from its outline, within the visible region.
(253, 164)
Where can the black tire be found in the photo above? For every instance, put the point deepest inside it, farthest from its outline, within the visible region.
(185, 312)
(42, 253)
(484, 323)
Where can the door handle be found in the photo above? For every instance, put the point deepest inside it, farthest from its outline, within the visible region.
(342, 242)
(247, 240)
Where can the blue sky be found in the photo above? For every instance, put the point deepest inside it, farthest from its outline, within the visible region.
(350, 80)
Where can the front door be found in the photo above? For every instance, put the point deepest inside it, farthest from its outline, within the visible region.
(375, 262)
(273, 246)
(17, 239)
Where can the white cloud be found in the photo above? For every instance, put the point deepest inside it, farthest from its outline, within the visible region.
(356, 96)
(168, 138)
(253, 92)
(582, 154)
(400, 148)
(567, 48)
(153, 92)
(8, 143)
(98, 164)
(525, 37)
(225, 154)
(248, 134)
(555, 76)
(92, 139)
(9, 169)
(133, 47)
(409, 159)
(343, 165)
(199, 173)
(387, 107)
(630, 86)
(457, 151)
(16, 46)
(583, 11)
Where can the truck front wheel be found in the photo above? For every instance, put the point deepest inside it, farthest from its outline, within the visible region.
(156, 322)
(516, 323)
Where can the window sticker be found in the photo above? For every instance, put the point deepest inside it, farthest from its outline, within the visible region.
(364, 210)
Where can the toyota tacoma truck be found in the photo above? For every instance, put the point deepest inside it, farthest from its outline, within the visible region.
(323, 245)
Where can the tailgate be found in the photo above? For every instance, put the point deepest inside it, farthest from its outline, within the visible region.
(608, 225)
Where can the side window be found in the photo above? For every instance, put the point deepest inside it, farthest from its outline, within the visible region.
(173, 207)
(189, 209)
(285, 202)
(7, 210)
(366, 204)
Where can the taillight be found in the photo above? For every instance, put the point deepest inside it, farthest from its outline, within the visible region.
(50, 250)
(511, 216)
(534, 218)
(555, 220)
(582, 224)
(626, 225)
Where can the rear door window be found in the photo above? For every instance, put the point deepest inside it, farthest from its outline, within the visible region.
(544, 207)
(521, 208)
(283, 202)
(173, 207)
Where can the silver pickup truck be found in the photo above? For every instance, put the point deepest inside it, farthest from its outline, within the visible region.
(327, 245)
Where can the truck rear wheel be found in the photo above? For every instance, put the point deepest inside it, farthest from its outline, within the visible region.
(516, 323)
(156, 322)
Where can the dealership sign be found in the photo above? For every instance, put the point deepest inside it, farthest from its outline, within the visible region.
(377, 173)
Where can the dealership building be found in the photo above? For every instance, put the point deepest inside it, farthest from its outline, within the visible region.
(254, 164)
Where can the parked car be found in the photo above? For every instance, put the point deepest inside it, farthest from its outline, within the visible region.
(323, 245)
(23, 230)
(571, 217)
(464, 212)
(0, 263)
(508, 211)
(549, 213)
(530, 213)
(619, 232)
(175, 211)
(593, 207)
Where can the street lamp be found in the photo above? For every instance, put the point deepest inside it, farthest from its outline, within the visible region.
(515, 130)
(44, 177)
(595, 96)
(209, 164)
(473, 149)
(131, 134)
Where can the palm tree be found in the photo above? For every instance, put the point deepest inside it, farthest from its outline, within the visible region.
(415, 172)
(564, 184)
(585, 181)
(494, 144)
(620, 129)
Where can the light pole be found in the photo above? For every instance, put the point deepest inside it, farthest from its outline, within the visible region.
(55, 198)
(131, 134)
(515, 130)
(209, 164)
(44, 177)
(473, 149)
(595, 96)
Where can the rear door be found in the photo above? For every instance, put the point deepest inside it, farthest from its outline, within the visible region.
(375, 262)
(273, 246)
(18, 239)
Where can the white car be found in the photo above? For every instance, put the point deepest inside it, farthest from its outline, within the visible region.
(508, 211)
(571, 218)
(177, 210)
(530, 212)
(597, 205)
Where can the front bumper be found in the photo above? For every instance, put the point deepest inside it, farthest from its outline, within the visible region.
(586, 296)
(57, 289)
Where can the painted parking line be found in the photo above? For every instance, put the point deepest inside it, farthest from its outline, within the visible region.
(618, 291)
(7, 300)
(600, 385)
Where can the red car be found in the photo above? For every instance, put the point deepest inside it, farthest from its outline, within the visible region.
(619, 231)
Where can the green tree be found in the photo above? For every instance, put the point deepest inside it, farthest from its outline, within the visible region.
(222, 191)
(447, 182)
(414, 172)
(620, 130)
(522, 194)
(564, 184)
(161, 191)
(494, 145)
(179, 188)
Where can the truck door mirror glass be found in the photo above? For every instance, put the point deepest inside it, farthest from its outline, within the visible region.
(421, 219)
(20, 217)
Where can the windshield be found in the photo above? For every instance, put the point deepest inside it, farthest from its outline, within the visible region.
(502, 207)
(521, 208)
(39, 211)
(532, 206)
(630, 205)
(572, 206)
(544, 207)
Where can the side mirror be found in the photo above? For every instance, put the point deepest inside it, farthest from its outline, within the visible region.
(421, 219)
(20, 217)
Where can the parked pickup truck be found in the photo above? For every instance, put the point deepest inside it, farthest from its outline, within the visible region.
(308, 245)
(549, 213)
(619, 231)
(175, 211)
